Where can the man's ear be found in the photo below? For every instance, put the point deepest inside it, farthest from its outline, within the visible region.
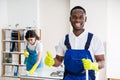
(85, 18)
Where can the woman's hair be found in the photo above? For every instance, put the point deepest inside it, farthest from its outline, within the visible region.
(31, 34)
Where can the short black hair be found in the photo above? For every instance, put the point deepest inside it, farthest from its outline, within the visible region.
(77, 7)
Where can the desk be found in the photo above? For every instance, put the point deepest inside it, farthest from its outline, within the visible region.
(43, 75)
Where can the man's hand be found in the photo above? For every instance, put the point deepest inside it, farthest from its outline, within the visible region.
(88, 65)
(49, 61)
(33, 69)
(26, 54)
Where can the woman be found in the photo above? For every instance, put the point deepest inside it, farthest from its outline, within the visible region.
(34, 48)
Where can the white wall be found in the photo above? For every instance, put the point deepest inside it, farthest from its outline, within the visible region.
(3, 22)
(3, 13)
(96, 21)
(113, 39)
(23, 12)
(54, 20)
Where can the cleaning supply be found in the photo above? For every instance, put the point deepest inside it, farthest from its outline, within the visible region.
(49, 60)
(33, 69)
(89, 65)
(26, 54)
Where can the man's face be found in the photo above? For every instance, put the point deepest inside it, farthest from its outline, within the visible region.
(77, 19)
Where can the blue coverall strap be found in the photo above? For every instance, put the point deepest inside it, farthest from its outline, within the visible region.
(66, 42)
(89, 38)
(27, 46)
(79, 73)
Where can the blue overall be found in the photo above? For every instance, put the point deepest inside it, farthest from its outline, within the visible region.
(74, 69)
(33, 56)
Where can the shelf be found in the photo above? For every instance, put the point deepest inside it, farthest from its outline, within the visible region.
(14, 41)
(10, 64)
(14, 29)
(12, 49)
(14, 52)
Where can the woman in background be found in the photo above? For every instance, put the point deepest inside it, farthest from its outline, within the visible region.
(33, 52)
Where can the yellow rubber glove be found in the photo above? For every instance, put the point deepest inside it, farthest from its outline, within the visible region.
(89, 65)
(33, 69)
(26, 54)
(49, 61)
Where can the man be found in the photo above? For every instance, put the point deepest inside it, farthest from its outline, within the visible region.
(80, 50)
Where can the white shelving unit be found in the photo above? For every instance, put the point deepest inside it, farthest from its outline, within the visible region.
(12, 59)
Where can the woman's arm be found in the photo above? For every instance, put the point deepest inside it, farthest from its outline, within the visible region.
(38, 58)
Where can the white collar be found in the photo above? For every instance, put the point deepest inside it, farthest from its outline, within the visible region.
(81, 35)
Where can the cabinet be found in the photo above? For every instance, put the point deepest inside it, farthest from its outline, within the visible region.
(13, 45)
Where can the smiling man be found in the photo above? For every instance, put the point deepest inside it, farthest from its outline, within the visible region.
(80, 50)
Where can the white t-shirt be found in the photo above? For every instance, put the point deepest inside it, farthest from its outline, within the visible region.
(37, 46)
(78, 42)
